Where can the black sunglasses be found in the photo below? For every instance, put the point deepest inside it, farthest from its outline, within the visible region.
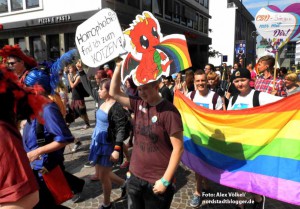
(11, 63)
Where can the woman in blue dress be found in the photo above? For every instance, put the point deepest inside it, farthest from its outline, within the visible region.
(107, 141)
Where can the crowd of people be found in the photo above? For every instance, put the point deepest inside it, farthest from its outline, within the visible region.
(143, 114)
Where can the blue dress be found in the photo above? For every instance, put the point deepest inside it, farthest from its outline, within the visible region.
(101, 149)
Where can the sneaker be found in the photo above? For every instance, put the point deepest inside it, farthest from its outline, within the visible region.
(107, 207)
(261, 204)
(76, 198)
(89, 164)
(76, 146)
(125, 164)
(196, 201)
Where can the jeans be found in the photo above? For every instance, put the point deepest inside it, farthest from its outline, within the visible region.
(141, 196)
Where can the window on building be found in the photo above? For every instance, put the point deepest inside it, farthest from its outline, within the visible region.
(197, 1)
(53, 41)
(134, 3)
(158, 7)
(16, 5)
(200, 23)
(196, 22)
(176, 12)
(147, 5)
(205, 25)
(3, 42)
(3, 6)
(182, 17)
(32, 3)
(201, 2)
(69, 41)
(168, 9)
(21, 42)
(206, 4)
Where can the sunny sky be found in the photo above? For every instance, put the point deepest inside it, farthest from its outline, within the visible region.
(254, 5)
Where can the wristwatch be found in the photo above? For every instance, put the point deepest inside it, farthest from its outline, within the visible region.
(164, 182)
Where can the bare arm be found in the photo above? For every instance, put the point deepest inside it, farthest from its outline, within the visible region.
(177, 143)
(26, 202)
(51, 147)
(75, 83)
(115, 90)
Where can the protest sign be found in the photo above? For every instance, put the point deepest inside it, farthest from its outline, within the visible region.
(151, 54)
(99, 39)
(278, 27)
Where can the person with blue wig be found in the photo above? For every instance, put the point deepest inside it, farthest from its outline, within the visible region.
(45, 143)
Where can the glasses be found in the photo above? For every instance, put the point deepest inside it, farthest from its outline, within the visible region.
(11, 63)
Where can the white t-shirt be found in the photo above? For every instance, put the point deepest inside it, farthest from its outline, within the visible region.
(244, 102)
(206, 101)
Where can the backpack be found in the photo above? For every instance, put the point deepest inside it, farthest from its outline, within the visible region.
(255, 99)
(214, 99)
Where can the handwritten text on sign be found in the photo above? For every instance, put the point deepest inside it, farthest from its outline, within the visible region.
(271, 24)
(99, 38)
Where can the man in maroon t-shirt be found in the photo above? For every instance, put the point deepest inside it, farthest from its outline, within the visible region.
(157, 148)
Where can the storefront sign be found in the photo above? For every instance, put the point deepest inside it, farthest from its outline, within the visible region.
(100, 38)
(53, 20)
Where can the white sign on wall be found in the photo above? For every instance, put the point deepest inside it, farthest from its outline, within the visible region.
(100, 38)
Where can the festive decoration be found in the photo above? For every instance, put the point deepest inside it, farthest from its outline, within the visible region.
(255, 150)
(150, 54)
(15, 50)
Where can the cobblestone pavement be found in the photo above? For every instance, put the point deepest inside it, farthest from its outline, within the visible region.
(92, 195)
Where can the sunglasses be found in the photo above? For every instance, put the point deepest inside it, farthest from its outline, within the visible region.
(11, 63)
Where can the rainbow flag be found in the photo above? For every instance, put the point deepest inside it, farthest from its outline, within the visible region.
(176, 49)
(256, 150)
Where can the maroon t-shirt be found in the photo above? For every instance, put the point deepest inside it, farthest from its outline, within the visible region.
(16, 177)
(152, 148)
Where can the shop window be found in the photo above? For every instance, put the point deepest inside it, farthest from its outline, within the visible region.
(32, 3)
(147, 5)
(158, 7)
(134, 3)
(21, 42)
(53, 41)
(16, 5)
(168, 9)
(176, 12)
(70, 41)
(3, 42)
(3, 6)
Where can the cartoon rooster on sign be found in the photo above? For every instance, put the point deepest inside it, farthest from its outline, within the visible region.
(145, 36)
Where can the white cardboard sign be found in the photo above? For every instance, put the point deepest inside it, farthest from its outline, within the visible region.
(100, 38)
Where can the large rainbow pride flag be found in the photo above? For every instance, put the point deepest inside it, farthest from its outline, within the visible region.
(256, 150)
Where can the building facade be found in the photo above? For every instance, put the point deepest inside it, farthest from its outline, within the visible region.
(45, 29)
(232, 25)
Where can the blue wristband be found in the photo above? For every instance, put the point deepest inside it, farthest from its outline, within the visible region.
(164, 182)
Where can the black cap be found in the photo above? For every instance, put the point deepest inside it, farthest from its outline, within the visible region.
(241, 73)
